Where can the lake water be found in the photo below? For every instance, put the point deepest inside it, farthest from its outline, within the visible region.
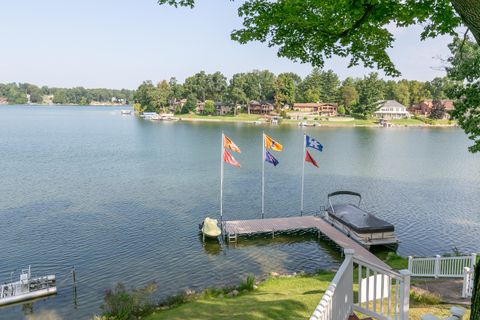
(120, 198)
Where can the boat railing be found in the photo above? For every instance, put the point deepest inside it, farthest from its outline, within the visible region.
(340, 193)
(441, 267)
(382, 293)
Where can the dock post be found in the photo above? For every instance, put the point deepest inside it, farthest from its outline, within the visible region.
(74, 286)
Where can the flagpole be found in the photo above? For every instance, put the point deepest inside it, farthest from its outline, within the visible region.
(303, 171)
(221, 177)
(263, 174)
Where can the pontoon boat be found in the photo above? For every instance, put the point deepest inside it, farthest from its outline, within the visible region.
(358, 224)
(27, 288)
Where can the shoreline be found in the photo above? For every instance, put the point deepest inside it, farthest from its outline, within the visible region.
(251, 297)
(328, 124)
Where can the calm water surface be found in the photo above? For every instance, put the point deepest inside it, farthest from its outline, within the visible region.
(120, 198)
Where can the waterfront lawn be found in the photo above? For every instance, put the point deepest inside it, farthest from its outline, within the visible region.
(355, 122)
(230, 117)
(408, 122)
(278, 298)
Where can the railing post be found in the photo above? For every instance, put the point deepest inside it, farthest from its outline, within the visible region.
(410, 262)
(473, 261)
(404, 294)
(437, 266)
(466, 281)
(349, 253)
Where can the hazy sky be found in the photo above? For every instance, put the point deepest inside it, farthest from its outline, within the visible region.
(120, 43)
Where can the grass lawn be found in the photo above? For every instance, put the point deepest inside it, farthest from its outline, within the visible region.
(276, 298)
(443, 122)
(408, 122)
(238, 117)
(356, 122)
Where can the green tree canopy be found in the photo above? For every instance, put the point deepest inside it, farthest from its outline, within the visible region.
(348, 94)
(285, 89)
(209, 107)
(371, 89)
(312, 31)
(464, 66)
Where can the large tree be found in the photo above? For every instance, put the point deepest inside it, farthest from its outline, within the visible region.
(348, 94)
(284, 89)
(312, 31)
(465, 67)
(371, 90)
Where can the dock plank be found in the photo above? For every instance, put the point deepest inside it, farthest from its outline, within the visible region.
(257, 226)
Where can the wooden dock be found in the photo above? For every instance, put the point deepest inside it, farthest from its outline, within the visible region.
(234, 228)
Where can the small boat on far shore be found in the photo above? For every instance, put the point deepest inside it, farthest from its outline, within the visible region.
(126, 112)
(306, 124)
(27, 288)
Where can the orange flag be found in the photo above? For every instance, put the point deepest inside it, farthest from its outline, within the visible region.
(228, 158)
(272, 144)
(229, 144)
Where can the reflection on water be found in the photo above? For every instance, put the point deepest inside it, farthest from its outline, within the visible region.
(120, 198)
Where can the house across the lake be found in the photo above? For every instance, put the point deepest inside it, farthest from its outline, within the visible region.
(3, 100)
(317, 108)
(222, 109)
(424, 108)
(262, 107)
(390, 110)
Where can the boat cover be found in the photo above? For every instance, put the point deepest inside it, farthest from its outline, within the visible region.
(210, 227)
(358, 220)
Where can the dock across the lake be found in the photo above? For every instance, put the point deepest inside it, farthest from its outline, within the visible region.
(234, 228)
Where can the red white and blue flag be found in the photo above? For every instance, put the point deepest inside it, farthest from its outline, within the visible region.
(313, 143)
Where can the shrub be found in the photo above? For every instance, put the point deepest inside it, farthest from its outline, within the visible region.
(395, 261)
(424, 298)
(428, 121)
(358, 116)
(177, 299)
(247, 284)
(123, 304)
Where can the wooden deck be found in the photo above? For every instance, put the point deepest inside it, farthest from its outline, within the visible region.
(272, 225)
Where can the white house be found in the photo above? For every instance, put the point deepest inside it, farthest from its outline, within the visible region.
(391, 109)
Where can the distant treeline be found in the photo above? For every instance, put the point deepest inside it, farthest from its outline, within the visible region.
(22, 93)
(354, 95)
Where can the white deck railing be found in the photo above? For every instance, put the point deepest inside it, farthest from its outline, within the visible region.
(382, 293)
(467, 288)
(337, 301)
(441, 267)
